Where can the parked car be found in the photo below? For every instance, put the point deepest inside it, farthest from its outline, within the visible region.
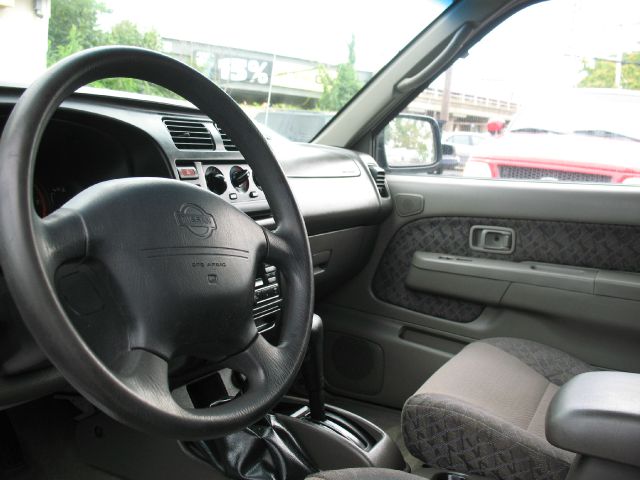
(581, 136)
(464, 143)
(451, 160)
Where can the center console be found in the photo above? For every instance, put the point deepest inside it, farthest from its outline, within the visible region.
(300, 435)
(597, 416)
(342, 440)
(333, 438)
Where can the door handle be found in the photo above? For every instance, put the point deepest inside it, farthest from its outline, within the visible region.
(485, 238)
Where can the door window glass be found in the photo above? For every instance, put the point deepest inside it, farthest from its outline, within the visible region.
(552, 94)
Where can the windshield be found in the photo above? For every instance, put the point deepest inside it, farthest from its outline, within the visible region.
(291, 65)
(596, 112)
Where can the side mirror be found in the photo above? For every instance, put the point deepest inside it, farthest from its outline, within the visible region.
(411, 143)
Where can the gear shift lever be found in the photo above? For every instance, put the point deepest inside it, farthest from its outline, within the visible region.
(313, 370)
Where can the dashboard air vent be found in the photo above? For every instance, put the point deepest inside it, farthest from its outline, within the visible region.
(229, 146)
(379, 176)
(189, 134)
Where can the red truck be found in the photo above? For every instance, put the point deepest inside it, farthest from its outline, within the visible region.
(584, 135)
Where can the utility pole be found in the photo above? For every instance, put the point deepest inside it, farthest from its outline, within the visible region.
(446, 95)
(273, 68)
(618, 80)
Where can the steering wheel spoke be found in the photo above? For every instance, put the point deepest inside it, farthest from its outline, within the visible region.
(146, 373)
(262, 364)
(62, 238)
(256, 362)
(279, 251)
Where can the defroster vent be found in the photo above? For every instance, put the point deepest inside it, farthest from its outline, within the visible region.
(189, 134)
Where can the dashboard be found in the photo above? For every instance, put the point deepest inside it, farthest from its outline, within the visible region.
(98, 137)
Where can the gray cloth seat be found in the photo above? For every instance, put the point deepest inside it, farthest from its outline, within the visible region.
(363, 474)
(484, 411)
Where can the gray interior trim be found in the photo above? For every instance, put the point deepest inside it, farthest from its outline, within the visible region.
(457, 196)
(598, 414)
(553, 276)
(410, 355)
(457, 285)
(457, 40)
(487, 281)
(590, 468)
(17, 389)
(618, 284)
(468, 287)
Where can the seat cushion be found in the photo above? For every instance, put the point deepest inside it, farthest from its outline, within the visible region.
(555, 365)
(484, 411)
(363, 474)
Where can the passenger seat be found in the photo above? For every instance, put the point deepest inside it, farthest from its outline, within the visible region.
(483, 412)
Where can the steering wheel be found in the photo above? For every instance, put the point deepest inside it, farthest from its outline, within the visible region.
(178, 262)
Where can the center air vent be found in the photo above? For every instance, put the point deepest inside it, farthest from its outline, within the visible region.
(189, 134)
(379, 176)
(229, 146)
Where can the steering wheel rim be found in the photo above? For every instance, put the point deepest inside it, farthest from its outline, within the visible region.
(93, 226)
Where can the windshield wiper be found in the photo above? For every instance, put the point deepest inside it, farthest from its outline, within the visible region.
(605, 134)
(534, 130)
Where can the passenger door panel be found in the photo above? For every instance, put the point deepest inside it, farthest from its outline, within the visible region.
(598, 247)
(572, 280)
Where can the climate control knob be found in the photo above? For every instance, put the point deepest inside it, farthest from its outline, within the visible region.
(239, 178)
(215, 180)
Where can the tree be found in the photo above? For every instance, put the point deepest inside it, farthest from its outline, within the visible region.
(73, 27)
(338, 90)
(602, 73)
(127, 33)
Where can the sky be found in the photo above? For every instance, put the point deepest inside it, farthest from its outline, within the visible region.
(319, 30)
(538, 49)
(541, 48)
